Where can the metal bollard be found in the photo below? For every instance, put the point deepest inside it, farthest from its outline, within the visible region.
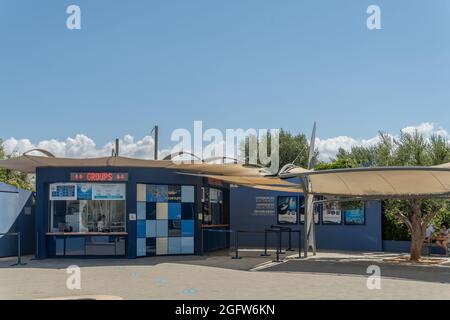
(290, 242)
(279, 247)
(265, 254)
(36, 256)
(280, 235)
(236, 237)
(19, 254)
(201, 241)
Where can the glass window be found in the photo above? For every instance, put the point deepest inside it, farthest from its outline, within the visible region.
(212, 203)
(87, 216)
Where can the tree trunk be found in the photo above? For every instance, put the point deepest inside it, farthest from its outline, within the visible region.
(417, 232)
(416, 245)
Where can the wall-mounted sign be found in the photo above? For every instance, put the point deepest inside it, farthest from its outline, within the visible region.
(108, 191)
(63, 191)
(332, 213)
(99, 176)
(27, 211)
(214, 182)
(87, 191)
(264, 206)
(174, 194)
(84, 191)
(355, 216)
(132, 217)
(287, 209)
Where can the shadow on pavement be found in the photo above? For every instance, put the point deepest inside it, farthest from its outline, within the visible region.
(330, 263)
(437, 274)
(217, 259)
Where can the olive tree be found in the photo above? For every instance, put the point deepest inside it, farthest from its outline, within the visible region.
(409, 149)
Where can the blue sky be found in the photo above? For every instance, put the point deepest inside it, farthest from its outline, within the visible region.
(232, 64)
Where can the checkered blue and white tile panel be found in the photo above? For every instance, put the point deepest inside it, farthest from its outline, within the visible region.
(165, 219)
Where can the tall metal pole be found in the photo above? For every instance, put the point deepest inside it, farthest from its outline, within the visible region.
(155, 138)
(309, 224)
(116, 153)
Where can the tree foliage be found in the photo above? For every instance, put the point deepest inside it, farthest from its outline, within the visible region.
(293, 148)
(14, 178)
(409, 149)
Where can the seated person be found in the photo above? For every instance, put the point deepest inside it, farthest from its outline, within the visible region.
(442, 238)
(101, 223)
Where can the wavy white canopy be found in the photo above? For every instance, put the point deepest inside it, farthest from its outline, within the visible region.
(248, 176)
(382, 182)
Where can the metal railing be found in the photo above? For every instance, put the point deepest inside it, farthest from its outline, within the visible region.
(19, 254)
(278, 230)
(273, 229)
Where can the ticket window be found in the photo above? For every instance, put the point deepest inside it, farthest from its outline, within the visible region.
(87, 208)
(87, 216)
(213, 206)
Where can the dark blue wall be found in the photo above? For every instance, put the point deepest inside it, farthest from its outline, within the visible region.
(337, 237)
(24, 223)
(46, 176)
(242, 216)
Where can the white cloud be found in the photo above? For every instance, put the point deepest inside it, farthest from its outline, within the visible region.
(82, 146)
(427, 129)
(328, 148)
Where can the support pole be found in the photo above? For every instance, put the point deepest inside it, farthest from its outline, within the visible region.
(309, 225)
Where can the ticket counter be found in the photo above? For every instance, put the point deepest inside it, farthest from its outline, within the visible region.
(123, 211)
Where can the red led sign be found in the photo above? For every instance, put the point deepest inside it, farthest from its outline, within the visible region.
(99, 176)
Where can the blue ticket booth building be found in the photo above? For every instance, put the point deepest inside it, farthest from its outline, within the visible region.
(125, 212)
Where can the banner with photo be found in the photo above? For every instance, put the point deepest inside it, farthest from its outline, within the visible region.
(108, 191)
(317, 209)
(355, 216)
(332, 213)
(287, 210)
(63, 191)
(84, 191)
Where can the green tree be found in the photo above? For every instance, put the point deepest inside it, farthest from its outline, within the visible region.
(410, 149)
(293, 148)
(340, 163)
(14, 178)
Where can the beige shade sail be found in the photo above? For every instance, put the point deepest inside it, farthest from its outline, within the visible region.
(29, 164)
(243, 175)
(274, 188)
(266, 183)
(382, 182)
(445, 166)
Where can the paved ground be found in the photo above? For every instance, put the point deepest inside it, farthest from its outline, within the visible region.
(326, 276)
